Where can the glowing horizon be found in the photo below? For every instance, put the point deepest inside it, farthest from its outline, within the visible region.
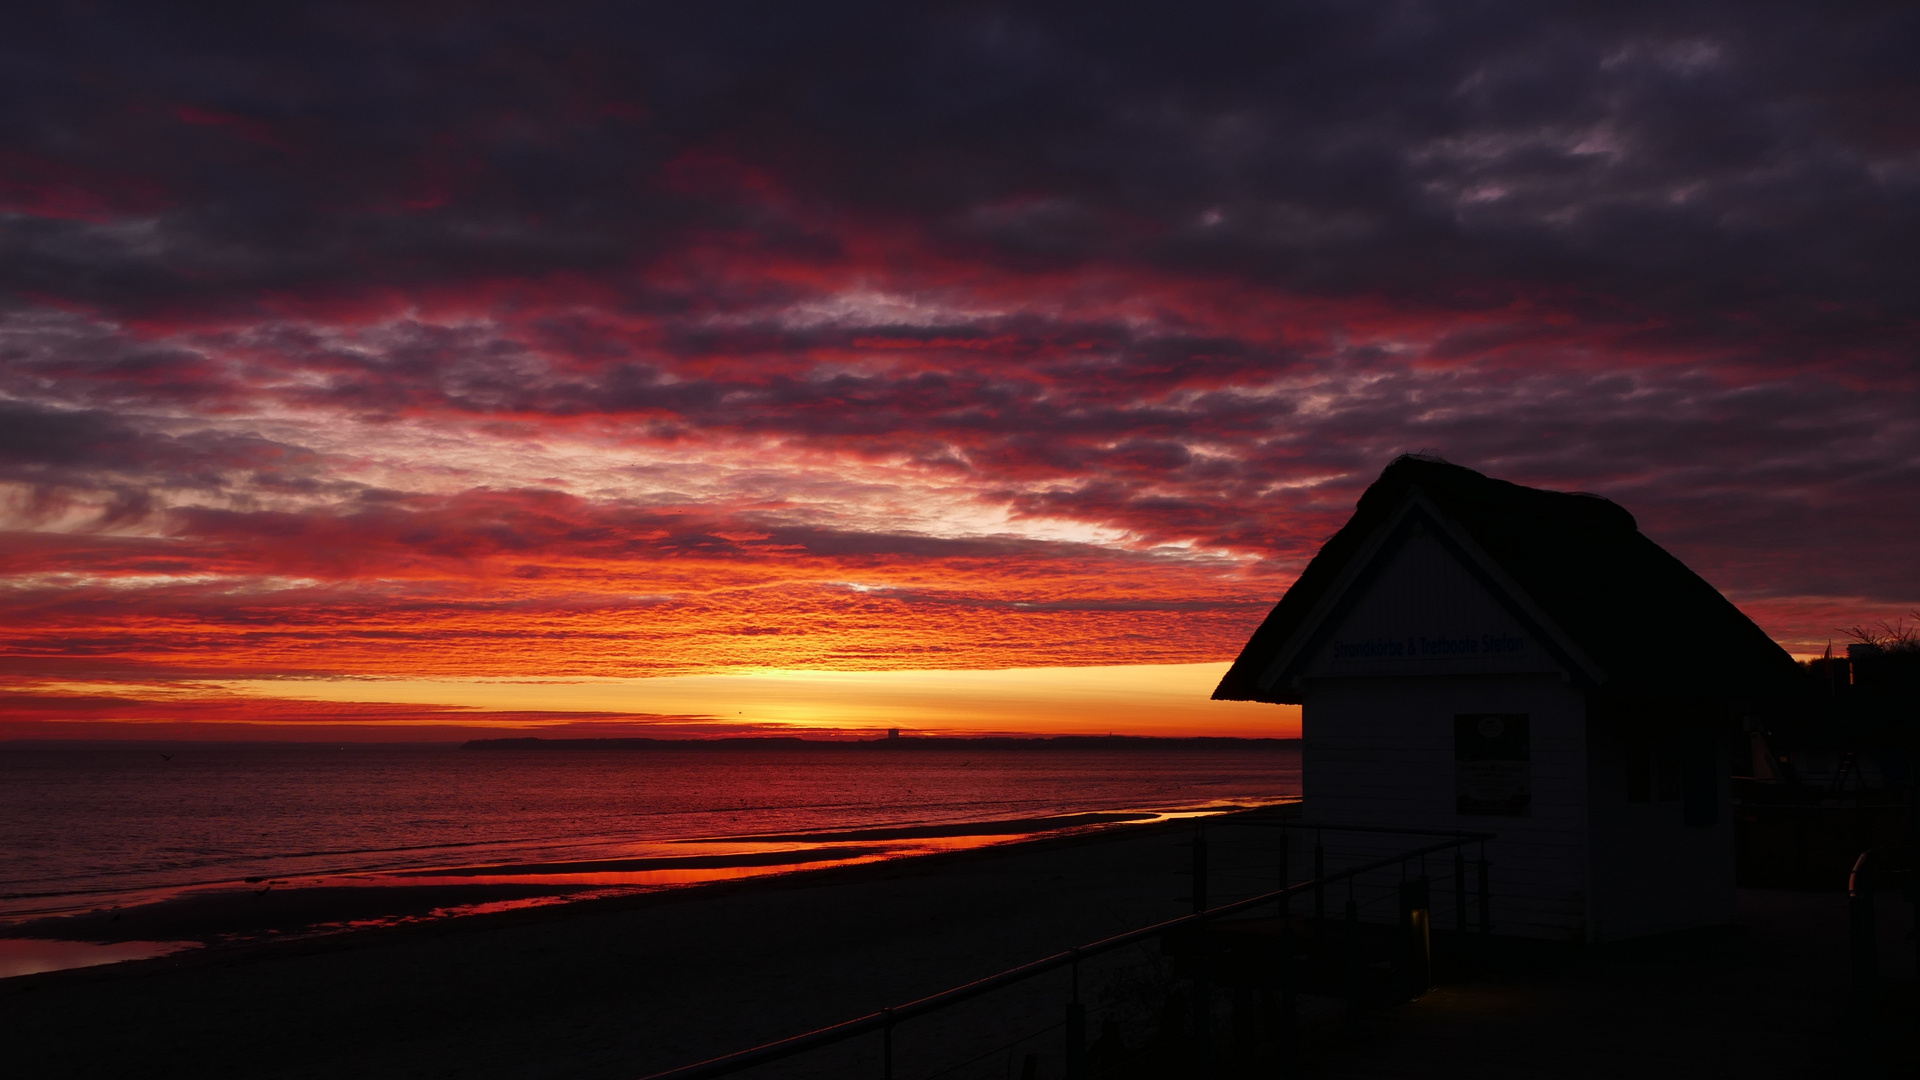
(1137, 700)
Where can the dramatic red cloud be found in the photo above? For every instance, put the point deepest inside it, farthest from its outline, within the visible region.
(541, 584)
(701, 346)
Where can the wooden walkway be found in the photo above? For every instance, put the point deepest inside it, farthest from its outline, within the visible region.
(1767, 998)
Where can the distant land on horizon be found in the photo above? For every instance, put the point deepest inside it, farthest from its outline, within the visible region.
(916, 742)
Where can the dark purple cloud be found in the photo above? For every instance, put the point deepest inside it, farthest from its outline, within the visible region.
(374, 288)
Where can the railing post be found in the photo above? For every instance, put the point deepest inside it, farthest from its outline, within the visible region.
(1416, 942)
(1864, 1046)
(886, 1046)
(1076, 1041)
(1076, 1056)
(1203, 946)
(1350, 948)
(1460, 894)
(1286, 874)
(1202, 1011)
(1199, 869)
(1289, 1037)
(1319, 886)
(1486, 898)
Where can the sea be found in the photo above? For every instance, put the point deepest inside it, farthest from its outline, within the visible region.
(173, 835)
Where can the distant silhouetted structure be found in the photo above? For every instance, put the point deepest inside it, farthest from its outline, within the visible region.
(1473, 654)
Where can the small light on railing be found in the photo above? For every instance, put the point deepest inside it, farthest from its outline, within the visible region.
(1423, 950)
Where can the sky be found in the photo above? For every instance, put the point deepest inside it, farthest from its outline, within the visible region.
(421, 370)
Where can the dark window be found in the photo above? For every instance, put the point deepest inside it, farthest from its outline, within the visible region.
(1675, 766)
(1639, 752)
(1666, 768)
(1492, 771)
(1699, 778)
(1653, 766)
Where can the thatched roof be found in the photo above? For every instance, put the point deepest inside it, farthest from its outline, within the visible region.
(1631, 619)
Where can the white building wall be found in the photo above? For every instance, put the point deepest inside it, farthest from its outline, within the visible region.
(1380, 751)
(1653, 873)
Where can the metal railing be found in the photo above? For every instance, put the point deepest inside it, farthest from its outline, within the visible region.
(886, 1020)
(1288, 827)
(1863, 1044)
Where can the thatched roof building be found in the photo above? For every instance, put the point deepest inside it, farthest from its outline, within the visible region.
(1472, 654)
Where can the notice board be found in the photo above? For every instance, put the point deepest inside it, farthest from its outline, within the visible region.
(1492, 770)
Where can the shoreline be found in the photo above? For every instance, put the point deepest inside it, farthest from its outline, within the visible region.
(226, 923)
(618, 986)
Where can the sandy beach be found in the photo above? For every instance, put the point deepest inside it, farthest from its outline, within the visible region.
(626, 987)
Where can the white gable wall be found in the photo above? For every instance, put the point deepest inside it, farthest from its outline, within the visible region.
(1426, 614)
(1381, 752)
(1423, 642)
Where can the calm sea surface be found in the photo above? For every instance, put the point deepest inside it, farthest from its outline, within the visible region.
(90, 826)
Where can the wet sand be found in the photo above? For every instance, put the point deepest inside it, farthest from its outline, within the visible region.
(619, 987)
(232, 912)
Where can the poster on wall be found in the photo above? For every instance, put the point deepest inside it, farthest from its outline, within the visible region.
(1492, 765)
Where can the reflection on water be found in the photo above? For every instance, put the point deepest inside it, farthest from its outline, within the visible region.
(701, 868)
(245, 842)
(593, 883)
(695, 862)
(96, 826)
(22, 956)
(698, 861)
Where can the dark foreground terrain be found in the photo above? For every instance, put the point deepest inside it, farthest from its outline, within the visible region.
(624, 989)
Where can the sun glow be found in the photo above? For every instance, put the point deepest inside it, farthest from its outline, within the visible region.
(1165, 700)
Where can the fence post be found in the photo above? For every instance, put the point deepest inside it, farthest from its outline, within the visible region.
(1203, 946)
(1486, 898)
(1076, 1041)
(1350, 947)
(1289, 1038)
(1199, 869)
(1416, 942)
(1076, 1056)
(886, 1046)
(1864, 1046)
(1460, 895)
(1319, 886)
(1202, 1010)
(1286, 874)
